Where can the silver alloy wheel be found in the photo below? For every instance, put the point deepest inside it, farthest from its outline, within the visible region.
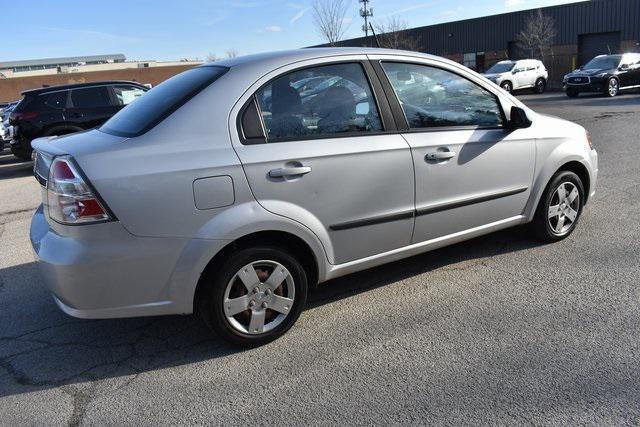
(613, 87)
(540, 86)
(506, 86)
(563, 208)
(259, 297)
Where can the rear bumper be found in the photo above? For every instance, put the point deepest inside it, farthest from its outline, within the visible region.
(102, 271)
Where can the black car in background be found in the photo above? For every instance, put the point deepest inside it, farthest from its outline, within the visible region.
(60, 110)
(606, 74)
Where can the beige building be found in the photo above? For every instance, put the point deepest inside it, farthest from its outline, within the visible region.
(18, 76)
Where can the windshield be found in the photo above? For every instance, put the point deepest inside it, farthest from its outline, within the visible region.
(158, 103)
(603, 63)
(500, 67)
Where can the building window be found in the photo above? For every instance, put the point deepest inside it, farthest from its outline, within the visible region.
(480, 67)
(469, 60)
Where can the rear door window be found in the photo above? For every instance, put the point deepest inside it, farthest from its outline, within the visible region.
(319, 101)
(56, 100)
(91, 97)
(159, 102)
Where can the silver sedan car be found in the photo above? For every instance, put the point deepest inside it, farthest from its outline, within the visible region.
(232, 188)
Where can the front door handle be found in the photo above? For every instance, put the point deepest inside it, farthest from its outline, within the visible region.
(282, 172)
(440, 155)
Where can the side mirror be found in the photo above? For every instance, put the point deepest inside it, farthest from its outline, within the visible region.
(519, 119)
(624, 67)
(514, 71)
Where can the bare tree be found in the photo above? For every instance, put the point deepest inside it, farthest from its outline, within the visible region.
(232, 53)
(329, 18)
(212, 57)
(538, 34)
(394, 34)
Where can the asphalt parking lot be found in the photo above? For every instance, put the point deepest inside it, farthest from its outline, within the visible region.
(498, 330)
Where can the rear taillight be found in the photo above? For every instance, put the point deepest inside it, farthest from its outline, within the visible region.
(70, 199)
(27, 115)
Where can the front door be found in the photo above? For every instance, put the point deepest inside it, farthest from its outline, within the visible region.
(470, 170)
(328, 163)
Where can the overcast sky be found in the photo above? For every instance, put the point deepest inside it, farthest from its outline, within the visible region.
(169, 29)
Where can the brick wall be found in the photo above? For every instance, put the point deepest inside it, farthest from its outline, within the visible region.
(10, 89)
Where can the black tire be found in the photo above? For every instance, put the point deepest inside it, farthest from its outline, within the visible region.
(215, 284)
(21, 152)
(572, 93)
(540, 225)
(507, 86)
(540, 86)
(612, 88)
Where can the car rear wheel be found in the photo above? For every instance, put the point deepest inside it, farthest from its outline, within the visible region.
(559, 208)
(506, 86)
(21, 152)
(540, 86)
(255, 296)
(612, 88)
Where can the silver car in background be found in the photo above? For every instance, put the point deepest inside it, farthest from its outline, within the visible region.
(233, 187)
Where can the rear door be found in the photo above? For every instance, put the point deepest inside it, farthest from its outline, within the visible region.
(90, 106)
(526, 74)
(635, 67)
(630, 77)
(470, 169)
(331, 158)
(532, 72)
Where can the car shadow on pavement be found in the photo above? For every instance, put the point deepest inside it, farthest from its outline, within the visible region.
(42, 348)
(12, 167)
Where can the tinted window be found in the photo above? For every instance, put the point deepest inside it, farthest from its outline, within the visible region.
(126, 94)
(431, 97)
(57, 100)
(324, 100)
(91, 97)
(501, 67)
(603, 63)
(150, 109)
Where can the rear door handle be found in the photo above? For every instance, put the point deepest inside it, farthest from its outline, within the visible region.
(440, 155)
(282, 172)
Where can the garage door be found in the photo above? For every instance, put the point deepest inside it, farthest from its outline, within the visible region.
(590, 45)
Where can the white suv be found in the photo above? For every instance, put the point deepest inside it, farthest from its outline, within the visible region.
(521, 74)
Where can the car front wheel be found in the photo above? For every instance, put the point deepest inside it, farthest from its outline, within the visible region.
(506, 86)
(559, 208)
(613, 87)
(255, 296)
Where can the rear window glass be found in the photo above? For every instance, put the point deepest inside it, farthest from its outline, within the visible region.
(43, 102)
(57, 100)
(157, 104)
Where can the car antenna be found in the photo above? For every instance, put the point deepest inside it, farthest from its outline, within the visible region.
(375, 37)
